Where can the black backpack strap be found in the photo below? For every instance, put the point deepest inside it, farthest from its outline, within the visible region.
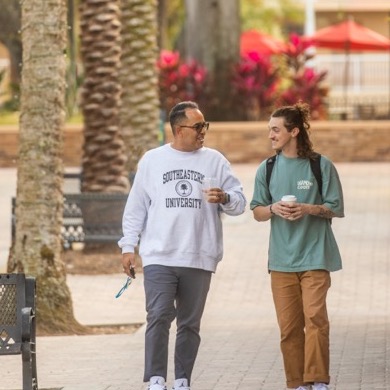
(269, 167)
(315, 164)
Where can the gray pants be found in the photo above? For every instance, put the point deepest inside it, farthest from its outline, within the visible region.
(173, 292)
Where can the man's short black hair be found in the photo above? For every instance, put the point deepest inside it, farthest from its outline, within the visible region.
(178, 112)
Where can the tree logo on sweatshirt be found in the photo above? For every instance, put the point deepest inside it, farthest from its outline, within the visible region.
(183, 188)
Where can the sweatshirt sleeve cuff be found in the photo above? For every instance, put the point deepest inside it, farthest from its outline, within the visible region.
(127, 249)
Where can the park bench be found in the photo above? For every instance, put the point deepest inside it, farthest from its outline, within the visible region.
(92, 217)
(89, 217)
(17, 323)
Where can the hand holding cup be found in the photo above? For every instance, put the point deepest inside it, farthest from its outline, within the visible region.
(289, 202)
(211, 191)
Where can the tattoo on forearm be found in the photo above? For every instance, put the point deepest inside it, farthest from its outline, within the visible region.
(324, 212)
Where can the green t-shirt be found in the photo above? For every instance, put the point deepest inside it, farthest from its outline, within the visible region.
(307, 243)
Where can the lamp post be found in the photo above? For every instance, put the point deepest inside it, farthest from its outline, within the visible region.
(309, 17)
(310, 23)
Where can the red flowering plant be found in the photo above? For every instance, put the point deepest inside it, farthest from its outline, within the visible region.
(179, 80)
(296, 52)
(255, 82)
(306, 87)
(305, 83)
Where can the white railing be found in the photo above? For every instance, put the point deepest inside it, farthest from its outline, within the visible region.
(365, 92)
(366, 72)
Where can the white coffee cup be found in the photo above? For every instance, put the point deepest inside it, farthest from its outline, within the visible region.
(207, 184)
(290, 199)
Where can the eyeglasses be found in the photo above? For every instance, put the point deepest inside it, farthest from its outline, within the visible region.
(198, 127)
(127, 283)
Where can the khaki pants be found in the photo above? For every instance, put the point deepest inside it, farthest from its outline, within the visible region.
(300, 303)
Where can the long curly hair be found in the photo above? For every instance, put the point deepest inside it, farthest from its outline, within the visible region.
(298, 115)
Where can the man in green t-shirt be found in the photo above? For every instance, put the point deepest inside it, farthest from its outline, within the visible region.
(302, 247)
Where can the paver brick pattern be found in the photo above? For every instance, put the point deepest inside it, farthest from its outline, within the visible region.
(240, 339)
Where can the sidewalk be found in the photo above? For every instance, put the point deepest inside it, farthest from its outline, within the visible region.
(240, 340)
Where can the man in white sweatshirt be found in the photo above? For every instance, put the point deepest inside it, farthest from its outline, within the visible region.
(179, 231)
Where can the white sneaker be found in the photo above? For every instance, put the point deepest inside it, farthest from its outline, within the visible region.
(320, 386)
(181, 384)
(303, 388)
(157, 383)
(157, 386)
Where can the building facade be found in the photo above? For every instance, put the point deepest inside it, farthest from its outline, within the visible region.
(367, 84)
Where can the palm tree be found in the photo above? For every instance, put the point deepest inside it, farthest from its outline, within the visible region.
(39, 200)
(103, 154)
(139, 115)
(216, 26)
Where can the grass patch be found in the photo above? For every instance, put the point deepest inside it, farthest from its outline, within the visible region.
(9, 118)
(75, 119)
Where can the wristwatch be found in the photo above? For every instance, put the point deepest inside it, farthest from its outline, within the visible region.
(227, 198)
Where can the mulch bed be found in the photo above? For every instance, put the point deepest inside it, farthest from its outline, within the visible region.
(95, 260)
(99, 260)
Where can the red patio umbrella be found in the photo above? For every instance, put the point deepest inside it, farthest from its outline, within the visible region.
(349, 36)
(253, 40)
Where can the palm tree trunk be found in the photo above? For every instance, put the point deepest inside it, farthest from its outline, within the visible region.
(139, 115)
(216, 26)
(103, 153)
(39, 201)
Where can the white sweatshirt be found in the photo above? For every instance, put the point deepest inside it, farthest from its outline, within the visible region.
(167, 213)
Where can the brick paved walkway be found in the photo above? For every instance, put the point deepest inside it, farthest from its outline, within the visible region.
(240, 341)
